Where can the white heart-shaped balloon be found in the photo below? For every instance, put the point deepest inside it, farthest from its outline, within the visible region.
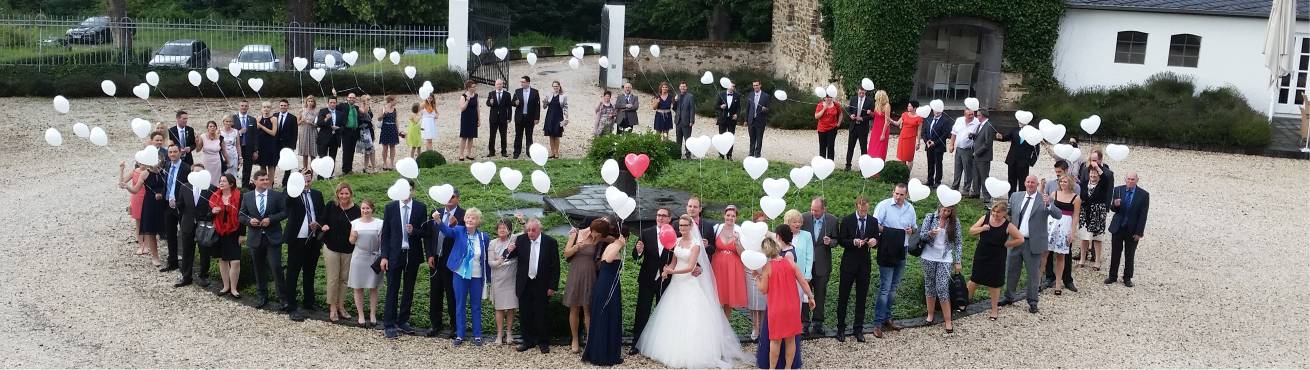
(753, 260)
(725, 82)
(1053, 133)
(1075, 154)
(81, 130)
(723, 142)
(532, 59)
(752, 234)
(323, 166)
(971, 103)
(379, 53)
(300, 63)
(108, 87)
(776, 187)
(140, 127)
(407, 167)
(755, 167)
(395, 57)
(822, 167)
(1023, 116)
(538, 154)
(441, 193)
(609, 171)
(255, 84)
(234, 69)
(781, 95)
(831, 91)
(820, 92)
(1030, 135)
(399, 191)
(540, 181)
(61, 104)
(614, 197)
(317, 74)
(801, 176)
(286, 160)
(351, 57)
(937, 105)
(194, 78)
(996, 187)
(575, 63)
(141, 91)
(870, 166)
(577, 52)
(450, 43)
(923, 111)
(295, 184)
(53, 137)
(511, 178)
(604, 62)
(501, 53)
(483, 172)
(410, 72)
(772, 206)
(947, 196)
(655, 51)
(625, 209)
(424, 92)
(152, 78)
(149, 156)
(867, 84)
(707, 78)
(1091, 124)
(699, 146)
(1063, 151)
(917, 190)
(1117, 152)
(202, 179)
(330, 61)
(634, 50)
(211, 74)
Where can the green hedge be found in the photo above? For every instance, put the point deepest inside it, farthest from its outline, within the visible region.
(785, 115)
(430, 159)
(879, 41)
(894, 172)
(1163, 108)
(618, 146)
(78, 81)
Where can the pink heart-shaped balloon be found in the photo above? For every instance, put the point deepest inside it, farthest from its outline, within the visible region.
(637, 164)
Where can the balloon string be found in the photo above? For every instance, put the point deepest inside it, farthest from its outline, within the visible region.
(320, 88)
(161, 93)
(243, 90)
(220, 91)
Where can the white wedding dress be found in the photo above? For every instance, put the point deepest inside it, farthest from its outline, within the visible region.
(688, 329)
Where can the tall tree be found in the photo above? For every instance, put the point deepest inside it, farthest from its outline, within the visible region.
(122, 35)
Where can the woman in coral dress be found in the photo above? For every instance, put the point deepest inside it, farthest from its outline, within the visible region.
(784, 320)
(907, 144)
(729, 273)
(880, 130)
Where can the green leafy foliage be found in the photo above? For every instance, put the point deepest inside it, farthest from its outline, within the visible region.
(789, 114)
(894, 172)
(751, 20)
(618, 146)
(430, 159)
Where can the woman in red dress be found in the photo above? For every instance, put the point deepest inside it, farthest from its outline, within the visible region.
(729, 273)
(784, 302)
(880, 130)
(908, 142)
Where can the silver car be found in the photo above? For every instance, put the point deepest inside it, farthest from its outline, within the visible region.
(257, 58)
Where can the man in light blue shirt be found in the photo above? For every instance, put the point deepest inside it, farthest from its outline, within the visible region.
(893, 213)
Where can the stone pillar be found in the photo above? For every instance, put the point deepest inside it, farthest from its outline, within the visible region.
(611, 45)
(457, 36)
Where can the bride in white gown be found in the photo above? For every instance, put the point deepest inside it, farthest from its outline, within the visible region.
(688, 329)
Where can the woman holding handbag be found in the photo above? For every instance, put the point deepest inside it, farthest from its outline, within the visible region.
(941, 251)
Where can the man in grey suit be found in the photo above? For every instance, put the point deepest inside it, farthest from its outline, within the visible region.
(1029, 210)
(823, 228)
(263, 211)
(627, 104)
(983, 138)
(757, 117)
(684, 108)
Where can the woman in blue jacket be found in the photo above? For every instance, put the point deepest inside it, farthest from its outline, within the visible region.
(468, 261)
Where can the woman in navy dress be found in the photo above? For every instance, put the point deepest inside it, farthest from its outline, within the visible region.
(152, 209)
(267, 138)
(557, 116)
(390, 134)
(468, 120)
(605, 334)
(664, 111)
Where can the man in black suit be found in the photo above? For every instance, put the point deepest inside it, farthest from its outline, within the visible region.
(328, 125)
(263, 210)
(183, 136)
(1020, 159)
(936, 129)
(1130, 205)
(823, 231)
(684, 108)
(245, 123)
(860, 112)
(442, 280)
(499, 114)
(402, 253)
(193, 208)
(175, 174)
(729, 106)
(859, 234)
(348, 132)
(757, 117)
(304, 214)
(527, 112)
(287, 130)
(649, 284)
(537, 279)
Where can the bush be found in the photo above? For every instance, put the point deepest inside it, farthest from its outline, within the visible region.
(1165, 107)
(894, 172)
(616, 147)
(790, 114)
(77, 81)
(430, 159)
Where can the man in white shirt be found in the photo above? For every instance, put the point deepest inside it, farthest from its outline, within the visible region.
(536, 281)
(1029, 211)
(963, 149)
(402, 253)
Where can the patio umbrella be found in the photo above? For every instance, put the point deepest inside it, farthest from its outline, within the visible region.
(1278, 39)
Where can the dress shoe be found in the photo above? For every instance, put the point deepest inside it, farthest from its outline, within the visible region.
(1005, 302)
(1110, 280)
(263, 301)
(1032, 308)
(308, 307)
(1071, 287)
(286, 308)
(432, 333)
(203, 282)
(545, 348)
(182, 283)
(391, 334)
(877, 332)
(1128, 283)
(405, 328)
(820, 330)
(491, 154)
(889, 325)
(168, 268)
(841, 337)
(859, 337)
(297, 316)
(523, 347)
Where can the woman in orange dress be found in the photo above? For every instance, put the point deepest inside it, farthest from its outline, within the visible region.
(908, 143)
(784, 303)
(880, 131)
(729, 273)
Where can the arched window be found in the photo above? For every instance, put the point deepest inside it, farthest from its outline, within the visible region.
(1184, 50)
(1130, 48)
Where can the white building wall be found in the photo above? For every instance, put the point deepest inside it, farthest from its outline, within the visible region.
(1231, 50)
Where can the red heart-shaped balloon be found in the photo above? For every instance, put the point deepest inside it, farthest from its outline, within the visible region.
(667, 238)
(637, 164)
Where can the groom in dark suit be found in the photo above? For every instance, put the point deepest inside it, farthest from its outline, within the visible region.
(649, 284)
(263, 211)
(402, 253)
(536, 281)
(527, 112)
(1130, 206)
(858, 235)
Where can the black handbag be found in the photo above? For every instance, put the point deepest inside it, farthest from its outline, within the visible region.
(959, 292)
(377, 265)
(206, 236)
(917, 248)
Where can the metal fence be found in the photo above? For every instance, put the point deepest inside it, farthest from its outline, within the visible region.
(44, 41)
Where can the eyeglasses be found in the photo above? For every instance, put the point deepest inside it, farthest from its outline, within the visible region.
(661, 215)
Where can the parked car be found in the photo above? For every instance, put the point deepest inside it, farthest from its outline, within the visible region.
(320, 57)
(258, 58)
(182, 53)
(419, 50)
(94, 30)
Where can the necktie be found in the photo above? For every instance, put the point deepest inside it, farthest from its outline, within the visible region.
(181, 136)
(172, 180)
(404, 220)
(1130, 198)
(261, 204)
(532, 260)
(818, 227)
(309, 208)
(1027, 201)
(861, 225)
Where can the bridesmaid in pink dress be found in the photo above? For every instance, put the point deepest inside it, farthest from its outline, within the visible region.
(880, 131)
